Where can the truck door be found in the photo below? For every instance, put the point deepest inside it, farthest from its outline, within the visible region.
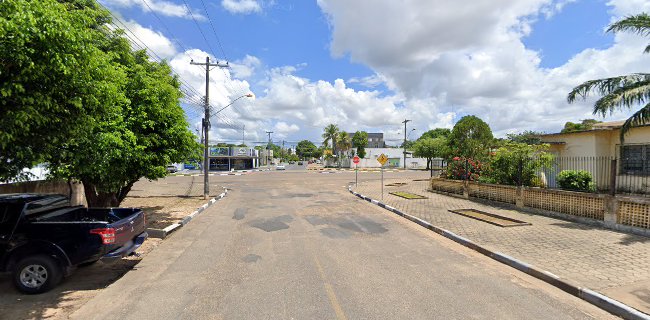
(9, 216)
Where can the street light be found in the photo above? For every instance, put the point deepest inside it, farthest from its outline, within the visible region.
(206, 146)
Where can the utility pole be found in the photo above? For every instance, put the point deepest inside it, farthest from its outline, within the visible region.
(206, 124)
(268, 150)
(243, 129)
(282, 150)
(405, 122)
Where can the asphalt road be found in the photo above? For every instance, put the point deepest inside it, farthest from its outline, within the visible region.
(297, 245)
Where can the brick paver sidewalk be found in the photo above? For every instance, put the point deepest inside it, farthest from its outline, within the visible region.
(613, 263)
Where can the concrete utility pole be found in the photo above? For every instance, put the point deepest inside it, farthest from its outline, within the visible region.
(405, 122)
(282, 152)
(268, 150)
(243, 129)
(206, 123)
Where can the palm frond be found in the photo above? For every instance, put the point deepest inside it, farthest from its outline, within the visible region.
(605, 86)
(639, 24)
(647, 49)
(639, 118)
(625, 96)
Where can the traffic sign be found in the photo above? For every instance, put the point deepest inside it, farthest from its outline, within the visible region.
(356, 159)
(382, 159)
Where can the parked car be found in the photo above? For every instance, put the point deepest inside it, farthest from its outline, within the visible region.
(43, 238)
(172, 169)
(280, 167)
(300, 163)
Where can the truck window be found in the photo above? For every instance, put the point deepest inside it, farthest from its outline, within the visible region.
(47, 204)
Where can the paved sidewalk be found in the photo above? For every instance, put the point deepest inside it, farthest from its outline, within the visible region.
(613, 263)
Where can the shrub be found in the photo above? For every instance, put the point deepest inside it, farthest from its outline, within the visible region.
(576, 180)
(519, 164)
(463, 169)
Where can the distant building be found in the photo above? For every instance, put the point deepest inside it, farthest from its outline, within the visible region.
(375, 140)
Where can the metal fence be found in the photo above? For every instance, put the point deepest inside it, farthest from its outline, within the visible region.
(628, 175)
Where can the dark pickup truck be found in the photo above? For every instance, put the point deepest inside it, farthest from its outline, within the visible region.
(43, 238)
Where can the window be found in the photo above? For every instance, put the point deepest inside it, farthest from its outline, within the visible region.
(635, 159)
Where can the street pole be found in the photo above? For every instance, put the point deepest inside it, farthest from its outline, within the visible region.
(405, 122)
(243, 129)
(268, 151)
(206, 124)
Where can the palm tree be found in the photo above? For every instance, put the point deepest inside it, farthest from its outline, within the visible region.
(344, 142)
(624, 91)
(331, 133)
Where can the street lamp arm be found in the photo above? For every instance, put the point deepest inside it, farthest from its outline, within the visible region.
(249, 95)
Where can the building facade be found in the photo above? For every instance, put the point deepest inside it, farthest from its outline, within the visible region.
(230, 158)
(375, 140)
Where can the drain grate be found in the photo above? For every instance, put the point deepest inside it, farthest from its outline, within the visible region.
(490, 218)
(407, 195)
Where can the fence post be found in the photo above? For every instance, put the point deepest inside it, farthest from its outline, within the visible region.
(612, 177)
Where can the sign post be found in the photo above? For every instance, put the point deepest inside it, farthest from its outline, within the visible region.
(356, 160)
(382, 159)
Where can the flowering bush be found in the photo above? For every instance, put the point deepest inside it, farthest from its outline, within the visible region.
(461, 168)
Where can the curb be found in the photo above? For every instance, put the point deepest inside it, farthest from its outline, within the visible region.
(163, 233)
(613, 306)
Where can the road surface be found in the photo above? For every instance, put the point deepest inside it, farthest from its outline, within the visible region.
(296, 245)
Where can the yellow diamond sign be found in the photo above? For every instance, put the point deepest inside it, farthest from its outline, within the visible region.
(382, 159)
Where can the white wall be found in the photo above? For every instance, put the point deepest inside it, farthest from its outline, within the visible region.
(370, 160)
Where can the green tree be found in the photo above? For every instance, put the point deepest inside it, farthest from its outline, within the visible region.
(306, 149)
(471, 138)
(435, 133)
(527, 137)
(360, 141)
(137, 141)
(330, 134)
(54, 80)
(517, 164)
(431, 148)
(343, 143)
(586, 124)
(623, 91)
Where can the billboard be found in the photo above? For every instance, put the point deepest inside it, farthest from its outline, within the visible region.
(219, 151)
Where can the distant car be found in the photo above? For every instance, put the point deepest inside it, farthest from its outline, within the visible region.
(172, 169)
(300, 163)
(317, 161)
(280, 167)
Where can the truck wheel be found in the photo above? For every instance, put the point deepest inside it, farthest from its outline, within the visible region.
(37, 274)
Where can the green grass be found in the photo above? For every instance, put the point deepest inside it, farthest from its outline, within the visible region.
(407, 195)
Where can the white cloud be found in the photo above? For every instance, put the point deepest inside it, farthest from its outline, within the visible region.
(154, 40)
(163, 7)
(452, 58)
(241, 6)
(283, 129)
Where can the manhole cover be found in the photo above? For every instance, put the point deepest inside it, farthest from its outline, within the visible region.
(490, 218)
(409, 196)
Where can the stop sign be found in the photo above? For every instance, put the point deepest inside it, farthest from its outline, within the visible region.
(356, 159)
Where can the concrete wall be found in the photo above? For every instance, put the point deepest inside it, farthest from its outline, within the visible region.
(49, 187)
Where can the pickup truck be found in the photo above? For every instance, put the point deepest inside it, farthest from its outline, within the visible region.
(43, 238)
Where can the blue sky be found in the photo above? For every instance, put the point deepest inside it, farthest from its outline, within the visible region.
(369, 64)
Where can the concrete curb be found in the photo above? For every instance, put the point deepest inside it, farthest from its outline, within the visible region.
(163, 233)
(613, 306)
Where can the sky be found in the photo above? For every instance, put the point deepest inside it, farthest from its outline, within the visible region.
(371, 64)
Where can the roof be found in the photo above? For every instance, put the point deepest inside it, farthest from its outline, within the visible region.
(602, 126)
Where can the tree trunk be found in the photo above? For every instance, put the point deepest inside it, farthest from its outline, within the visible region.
(97, 199)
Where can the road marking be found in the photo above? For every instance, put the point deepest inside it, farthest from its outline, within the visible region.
(330, 291)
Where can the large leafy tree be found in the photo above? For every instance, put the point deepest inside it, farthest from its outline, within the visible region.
(527, 137)
(586, 124)
(306, 149)
(431, 148)
(360, 141)
(54, 79)
(620, 92)
(136, 141)
(83, 101)
(471, 138)
(435, 133)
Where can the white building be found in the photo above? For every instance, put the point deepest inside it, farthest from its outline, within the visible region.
(395, 159)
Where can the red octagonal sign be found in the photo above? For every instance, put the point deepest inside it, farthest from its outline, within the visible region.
(356, 159)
